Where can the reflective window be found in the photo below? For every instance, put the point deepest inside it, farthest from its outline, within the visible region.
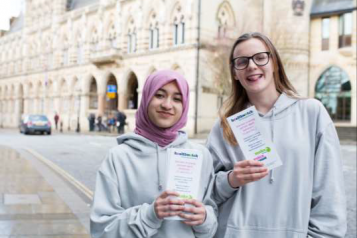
(345, 30)
(325, 33)
(333, 89)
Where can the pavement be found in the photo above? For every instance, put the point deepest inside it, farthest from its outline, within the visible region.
(36, 202)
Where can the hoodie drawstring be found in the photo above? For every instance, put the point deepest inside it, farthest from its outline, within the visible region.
(158, 168)
(271, 176)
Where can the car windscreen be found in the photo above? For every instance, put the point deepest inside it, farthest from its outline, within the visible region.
(38, 118)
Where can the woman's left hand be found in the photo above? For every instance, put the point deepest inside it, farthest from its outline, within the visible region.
(194, 215)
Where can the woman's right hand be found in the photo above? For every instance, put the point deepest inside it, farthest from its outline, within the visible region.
(246, 171)
(166, 205)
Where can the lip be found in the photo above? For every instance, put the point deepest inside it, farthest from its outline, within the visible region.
(165, 114)
(254, 77)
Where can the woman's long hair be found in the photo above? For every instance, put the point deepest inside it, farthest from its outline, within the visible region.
(238, 98)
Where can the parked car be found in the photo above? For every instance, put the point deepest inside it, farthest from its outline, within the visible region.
(35, 123)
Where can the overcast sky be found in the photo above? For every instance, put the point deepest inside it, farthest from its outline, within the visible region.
(8, 8)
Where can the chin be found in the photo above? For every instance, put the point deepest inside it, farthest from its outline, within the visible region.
(165, 125)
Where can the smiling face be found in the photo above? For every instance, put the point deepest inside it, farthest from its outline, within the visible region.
(165, 108)
(256, 80)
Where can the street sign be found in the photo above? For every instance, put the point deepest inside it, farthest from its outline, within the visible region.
(111, 91)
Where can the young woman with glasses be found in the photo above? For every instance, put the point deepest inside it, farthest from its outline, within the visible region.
(305, 196)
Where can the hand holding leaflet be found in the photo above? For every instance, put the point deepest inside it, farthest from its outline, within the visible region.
(184, 172)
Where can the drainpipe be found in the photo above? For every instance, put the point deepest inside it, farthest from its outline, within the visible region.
(197, 65)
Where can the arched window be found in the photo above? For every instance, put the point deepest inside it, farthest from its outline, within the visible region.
(65, 96)
(65, 56)
(80, 50)
(225, 19)
(154, 32)
(131, 37)
(95, 40)
(112, 36)
(179, 27)
(333, 89)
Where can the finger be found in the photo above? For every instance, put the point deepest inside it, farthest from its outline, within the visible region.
(246, 163)
(174, 208)
(169, 214)
(191, 217)
(253, 177)
(253, 170)
(168, 193)
(174, 201)
(193, 202)
(193, 223)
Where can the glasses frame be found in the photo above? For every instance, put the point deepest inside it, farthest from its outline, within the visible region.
(249, 58)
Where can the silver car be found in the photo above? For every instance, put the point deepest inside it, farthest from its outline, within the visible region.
(31, 124)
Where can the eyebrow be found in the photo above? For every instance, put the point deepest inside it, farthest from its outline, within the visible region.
(164, 91)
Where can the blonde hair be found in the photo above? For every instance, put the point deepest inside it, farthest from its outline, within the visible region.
(238, 97)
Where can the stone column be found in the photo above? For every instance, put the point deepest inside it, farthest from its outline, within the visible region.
(101, 103)
(123, 103)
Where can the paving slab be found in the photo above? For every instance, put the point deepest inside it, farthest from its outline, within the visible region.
(30, 206)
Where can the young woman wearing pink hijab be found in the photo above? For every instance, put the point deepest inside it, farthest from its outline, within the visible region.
(131, 199)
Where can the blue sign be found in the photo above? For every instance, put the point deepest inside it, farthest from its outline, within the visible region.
(111, 88)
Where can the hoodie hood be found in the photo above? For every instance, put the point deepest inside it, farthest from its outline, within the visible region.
(281, 107)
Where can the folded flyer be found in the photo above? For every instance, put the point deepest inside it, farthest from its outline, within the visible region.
(246, 126)
(184, 173)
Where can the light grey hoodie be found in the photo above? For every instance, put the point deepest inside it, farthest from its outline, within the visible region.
(129, 180)
(304, 197)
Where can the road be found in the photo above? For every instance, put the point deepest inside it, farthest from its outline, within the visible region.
(81, 155)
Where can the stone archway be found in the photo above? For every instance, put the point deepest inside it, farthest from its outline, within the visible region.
(112, 94)
(132, 92)
(93, 94)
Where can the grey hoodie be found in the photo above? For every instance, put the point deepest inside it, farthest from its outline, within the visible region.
(129, 180)
(304, 197)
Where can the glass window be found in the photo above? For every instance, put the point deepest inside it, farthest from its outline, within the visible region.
(325, 33)
(151, 45)
(345, 30)
(175, 34)
(182, 32)
(131, 42)
(333, 89)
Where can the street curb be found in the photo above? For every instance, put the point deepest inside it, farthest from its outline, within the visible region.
(69, 178)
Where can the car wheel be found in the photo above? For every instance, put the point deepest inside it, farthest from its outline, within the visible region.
(49, 133)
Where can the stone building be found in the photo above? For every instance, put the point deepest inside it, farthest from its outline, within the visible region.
(77, 57)
(333, 58)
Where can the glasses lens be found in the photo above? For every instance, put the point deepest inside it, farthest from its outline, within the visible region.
(261, 58)
(241, 63)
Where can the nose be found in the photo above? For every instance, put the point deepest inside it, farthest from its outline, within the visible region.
(166, 104)
(251, 64)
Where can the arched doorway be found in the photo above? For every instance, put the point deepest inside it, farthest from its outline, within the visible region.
(132, 92)
(112, 94)
(93, 94)
(333, 89)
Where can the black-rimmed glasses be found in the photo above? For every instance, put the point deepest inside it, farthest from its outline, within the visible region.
(260, 59)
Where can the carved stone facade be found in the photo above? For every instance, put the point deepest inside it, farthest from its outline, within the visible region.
(60, 56)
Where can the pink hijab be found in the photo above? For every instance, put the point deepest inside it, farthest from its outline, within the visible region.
(144, 127)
